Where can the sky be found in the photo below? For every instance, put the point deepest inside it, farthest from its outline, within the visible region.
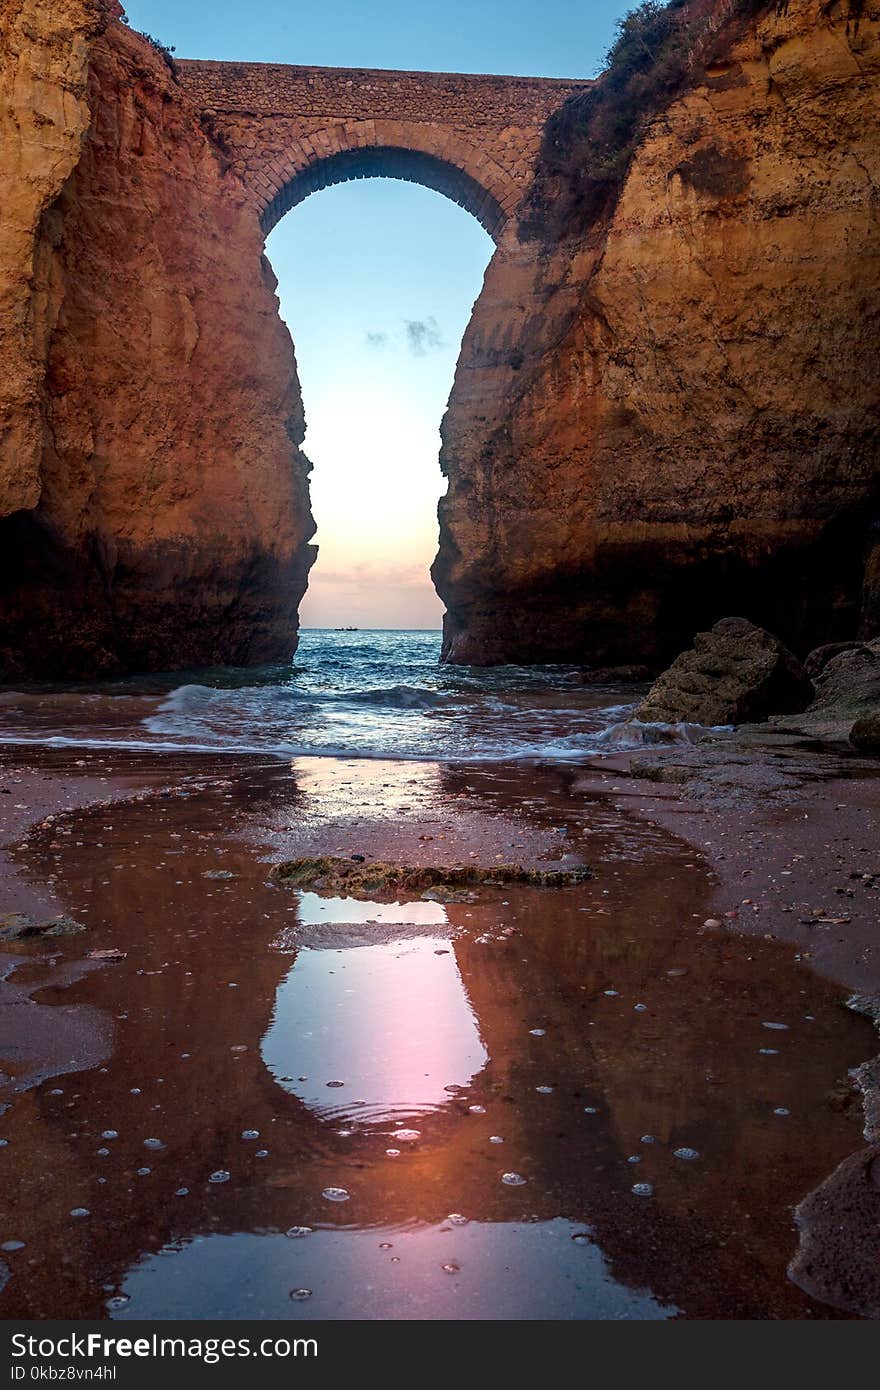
(377, 277)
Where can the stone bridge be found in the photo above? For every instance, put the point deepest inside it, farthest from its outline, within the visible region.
(288, 131)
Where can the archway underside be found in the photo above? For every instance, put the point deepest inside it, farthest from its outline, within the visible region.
(390, 162)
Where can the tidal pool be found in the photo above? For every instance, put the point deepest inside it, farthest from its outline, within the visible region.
(536, 1104)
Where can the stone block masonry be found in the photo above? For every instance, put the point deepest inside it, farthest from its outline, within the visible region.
(288, 130)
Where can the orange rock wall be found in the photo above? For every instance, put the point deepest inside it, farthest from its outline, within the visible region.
(674, 416)
(162, 517)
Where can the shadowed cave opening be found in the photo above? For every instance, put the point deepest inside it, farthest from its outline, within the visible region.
(377, 279)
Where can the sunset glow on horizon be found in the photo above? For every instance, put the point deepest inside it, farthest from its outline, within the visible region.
(377, 326)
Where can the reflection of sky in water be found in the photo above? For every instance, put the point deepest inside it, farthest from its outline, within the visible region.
(392, 1020)
(312, 909)
(504, 1270)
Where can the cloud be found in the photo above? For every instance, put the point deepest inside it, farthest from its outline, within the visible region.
(377, 339)
(423, 336)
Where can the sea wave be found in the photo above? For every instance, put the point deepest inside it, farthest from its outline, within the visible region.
(632, 733)
(380, 696)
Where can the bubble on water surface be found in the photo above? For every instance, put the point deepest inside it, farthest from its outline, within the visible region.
(153, 1144)
(335, 1083)
(250, 1134)
(393, 1153)
(513, 1179)
(781, 1110)
(298, 1232)
(408, 1136)
(450, 1267)
(454, 1218)
(591, 1110)
(477, 1109)
(142, 1172)
(686, 1153)
(118, 1300)
(779, 1027)
(634, 1158)
(261, 1153)
(581, 1238)
(110, 1134)
(643, 1189)
(335, 1194)
(182, 1192)
(10, 1245)
(220, 1175)
(298, 1295)
(544, 1090)
(769, 1051)
(537, 1032)
(648, 1139)
(80, 1211)
(612, 993)
(640, 1008)
(102, 1153)
(495, 1139)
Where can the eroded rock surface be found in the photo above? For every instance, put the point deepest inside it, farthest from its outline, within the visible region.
(660, 415)
(672, 414)
(734, 674)
(837, 1223)
(156, 501)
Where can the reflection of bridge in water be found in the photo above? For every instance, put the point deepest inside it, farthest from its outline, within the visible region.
(210, 1017)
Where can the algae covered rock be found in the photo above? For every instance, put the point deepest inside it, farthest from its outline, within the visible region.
(354, 877)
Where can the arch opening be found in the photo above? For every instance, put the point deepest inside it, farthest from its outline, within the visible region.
(376, 280)
(390, 162)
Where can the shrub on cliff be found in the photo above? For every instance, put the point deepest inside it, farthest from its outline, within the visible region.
(588, 144)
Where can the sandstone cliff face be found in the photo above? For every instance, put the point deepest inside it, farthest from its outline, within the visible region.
(657, 420)
(674, 415)
(157, 508)
(43, 119)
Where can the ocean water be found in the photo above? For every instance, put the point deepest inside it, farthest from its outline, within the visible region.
(376, 694)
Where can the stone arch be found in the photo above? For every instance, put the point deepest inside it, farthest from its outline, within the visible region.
(292, 168)
(390, 162)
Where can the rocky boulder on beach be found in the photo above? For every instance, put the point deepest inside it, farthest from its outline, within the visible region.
(734, 674)
(848, 686)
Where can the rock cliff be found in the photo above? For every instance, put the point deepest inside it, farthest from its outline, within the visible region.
(670, 412)
(154, 498)
(665, 409)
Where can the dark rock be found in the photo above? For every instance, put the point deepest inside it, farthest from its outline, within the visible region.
(865, 733)
(615, 675)
(838, 1222)
(819, 657)
(734, 674)
(849, 684)
(15, 926)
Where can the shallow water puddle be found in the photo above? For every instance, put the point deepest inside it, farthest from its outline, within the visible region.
(373, 1032)
(552, 1104)
(548, 1269)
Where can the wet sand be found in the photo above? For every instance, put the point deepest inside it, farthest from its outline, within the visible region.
(616, 1037)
